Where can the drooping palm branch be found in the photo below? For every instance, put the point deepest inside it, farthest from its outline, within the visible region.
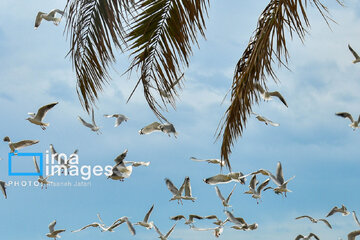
(267, 46)
(161, 42)
(94, 27)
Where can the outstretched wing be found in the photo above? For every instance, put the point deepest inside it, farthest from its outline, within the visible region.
(326, 222)
(228, 198)
(218, 193)
(352, 235)
(36, 165)
(187, 187)
(345, 115)
(87, 226)
(355, 218)
(155, 126)
(146, 218)
(262, 185)
(86, 124)
(170, 231)
(353, 52)
(277, 94)
(43, 110)
(313, 235)
(279, 173)
(305, 216)
(171, 186)
(38, 19)
(332, 211)
(51, 226)
(24, 143)
(121, 157)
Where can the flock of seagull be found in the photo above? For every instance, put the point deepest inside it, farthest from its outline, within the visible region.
(123, 169)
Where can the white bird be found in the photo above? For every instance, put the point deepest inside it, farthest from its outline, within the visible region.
(168, 128)
(226, 178)
(355, 218)
(162, 236)
(265, 120)
(120, 170)
(211, 160)
(3, 188)
(43, 181)
(54, 233)
(315, 220)
(119, 118)
(92, 125)
(176, 192)
(357, 58)
(268, 95)
(48, 17)
(64, 164)
(217, 230)
(343, 210)
(188, 192)
(38, 118)
(256, 193)
(354, 124)
(153, 127)
(137, 164)
(353, 235)
(101, 225)
(224, 201)
(188, 221)
(307, 237)
(145, 223)
(238, 221)
(19, 145)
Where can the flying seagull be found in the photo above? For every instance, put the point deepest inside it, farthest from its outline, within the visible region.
(354, 124)
(145, 223)
(48, 17)
(120, 170)
(265, 120)
(256, 192)
(217, 231)
(211, 160)
(238, 221)
(224, 201)
(119, 118)
(128, 223)
(343, 210)
(353, 235)
(268, 95)
(162, 236)
(315, 220)
(54, 233)
(37, 118)
(357, 58)
(156, 126)
(3, 188)
(63, 163)
(101, 225)
(176, 192)
(246, 227)
(307, 237)
(226, 178)
(92, 125)
(168, 128)
(188, 221)
(355, 218)
(43, 181)
(19, 145)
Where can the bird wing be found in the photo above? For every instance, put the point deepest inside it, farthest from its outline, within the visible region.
(220, 178)
(352, 235)
(299, 237)
(24, 143)
(232, 219)
(51, 226)
(305, 216)
(87, 226)
(3, 188)
(192, 216)
(211, 217)
(93, 117)
(38, 19)
(345, 115)
(332, 211)
(228, 198)
(326, 222)
(171, 186)
(36, 165)
(170, 231)
(253, 181)
(277, 94)
(355, 218)
(262, 185)
(353, 52)
(218, 193)
(178, 217)
(155, 126)
(313, 235)
(86, 124)
(43, 110)
(197, 160)
(272, 123)
(187, 187)
(259, 88)
(158, 231)
(130, 226)
(121, 157)
(146, 218)
(52, 12)
(203, 229)
(279, 173)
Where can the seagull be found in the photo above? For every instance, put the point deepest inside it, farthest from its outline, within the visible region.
(19, 145)
(256, 193)
(188, 221)
(37, 118)
(128, 223)
(268, 95)
(92, 126)
(48, 17)
(307, 237)
(176, 192)
(54, 233)
(315, 220)
(168, 128)
(224, 201)
(161, 236)
(63, 164)
(353, 235)
(120, 170)
(217, 231)
(265, 120)
(153, 127)
(145, 222)
(246, 227)
(225, 178)
(3, 188)
(354, 124)
(137, 164)
(43, 181)
(187, 194)
(357, 58)
(237, 221)
(102, 226)
(342, 210)
(218, 221)
(212, 160)
(355, 218)
(119, 118)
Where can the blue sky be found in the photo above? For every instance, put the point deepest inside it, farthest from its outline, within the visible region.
(311, 142)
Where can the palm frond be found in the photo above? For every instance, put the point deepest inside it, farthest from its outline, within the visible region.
(268, 45)
(161, 39)
(95, 26)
